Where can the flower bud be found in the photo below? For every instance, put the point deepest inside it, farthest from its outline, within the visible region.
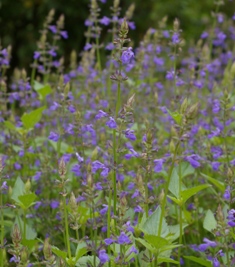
(176, 25)
(62, 168)
(47, 251)
(24, 75)
(73, 202)
(16, 235)
(130, 11)
(184, 106)
(24, 255)
(116, 3)
(192, 112)
(27, 186)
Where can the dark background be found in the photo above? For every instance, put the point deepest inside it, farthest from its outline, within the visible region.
(21, 20)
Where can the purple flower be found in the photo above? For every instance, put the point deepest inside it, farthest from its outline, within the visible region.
(104, 210)
(101, 114)
(214, 133)
(175, 38)
(76, 169)
(54, 204)
(54, 106)
(216, 106)
(4, 186)
(108, 241)
(17, 166)
(37, 176)
(204, 35)
(193, 160)
(231, 218)
(103, 256)
(158, 165)
(130, 134)
(64, 34)
(127, 56)
(54, 136)
(105, 21)
(52, 52)
(36, 55)
(52, 28)
(87, 46)
(111, 123)
(215, 165)
(216, 263)
(133, 250)
(110, 46)
(123, 239)
(80, 159)
(138, 209)
(227, 194)
(170, 75)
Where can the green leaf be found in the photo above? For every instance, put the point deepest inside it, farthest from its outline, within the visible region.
(151, 225)
(30, 232)
(27, 200)
(176, 116)
(161, 259)
(156, 241)
(218, 184)
(30, 243)
(80, 250)
(18, 189)
(30, 119)
(59, 253)
(146, 245)
(175, 230)
(42, 90)
(185, 170)
(209, 222)
(10, 126)
(199, 260)
(186, 194)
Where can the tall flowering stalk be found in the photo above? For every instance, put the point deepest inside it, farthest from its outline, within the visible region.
(124, 56)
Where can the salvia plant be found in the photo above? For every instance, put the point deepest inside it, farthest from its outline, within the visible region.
(125, 156)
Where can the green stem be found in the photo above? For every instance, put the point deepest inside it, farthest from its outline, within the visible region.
(2, 230)
(166, 190)
(66, 228)
(25, 212)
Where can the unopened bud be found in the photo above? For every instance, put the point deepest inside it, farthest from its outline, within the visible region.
(230, 173)
(89, 180)
(176, 25)
(1, 164)
(60, 22)
(16, 74)
(66, 89)
(61, 81)
(24, 75)
(130, 11)
(124, 26)
(193, 110)
(73, 202)
(43, 39)
(219, 214)
(172, 146)
(116, 3)
(131, 100)
(94, 4)
(184, 106)
(47, 250)
(232, 70)
(62, 168)
(24, 255)
(94, 154)
(16, 235)
(27, 186)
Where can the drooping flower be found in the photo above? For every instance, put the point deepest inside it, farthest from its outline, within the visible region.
(127, 56)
